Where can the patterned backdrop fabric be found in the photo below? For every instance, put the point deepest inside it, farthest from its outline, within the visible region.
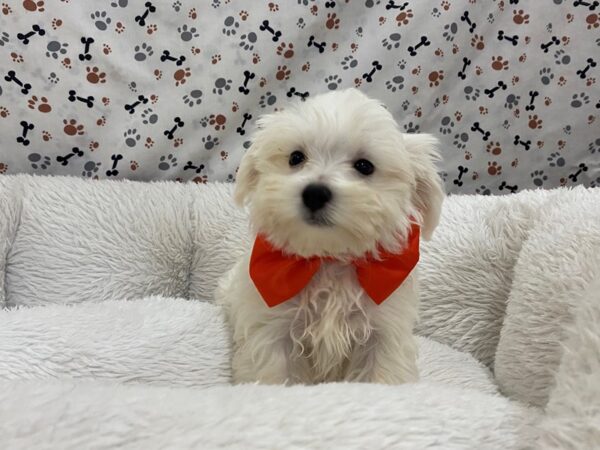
(171, 89)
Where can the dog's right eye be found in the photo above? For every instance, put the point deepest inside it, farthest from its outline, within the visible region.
(296, 158)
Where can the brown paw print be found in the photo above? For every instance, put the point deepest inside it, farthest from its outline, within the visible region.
(468, 155)
(547, 101)
(43, 106)
(515, 162)
(244, 15)
(273, 7)
(6, 9)
(478, 70)
(439, 52)
(483, 110)
(419, 112)
(255, 58)
(33, 6)
(514, 80)
(445, 5)
(193, 14)
(534, 122)
(590, 81)
(562, 81)
(477, 42)
(152, 28)
(202, 179)
(158, 74)
(353, 47)
(458, 116)
(195, 51)
(494, 168)
(499, 63)
(106, 49)
(66, 63)
(149, 142)
(494, 148)
(181, 75)
(94, 145)
(357, 82)
(404, 17)
(133, 165)
(523, 58)
(561, 144)
(416, 70)
(285, 50)
(177, 142)
(262, 82)
(283, 73)
(101, 121)
(382, 20)
(445, 99)
(224, 155)
(3, 167)
(455, 49)
(72, 128)
(314, 10)
(16, 57)
(4, 113)
(94, 75)
(215, 59)
(306, 67)
(593, 21)
(519, 17)
(56, 23)
(120, 28)
(435, 77)
(332, 22)
(218, 121)
(46, 136)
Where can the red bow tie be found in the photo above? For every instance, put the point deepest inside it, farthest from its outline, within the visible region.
(279, 277)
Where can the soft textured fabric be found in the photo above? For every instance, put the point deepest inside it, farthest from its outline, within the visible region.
(70, 415)
(118, 89)
(279, 276)
(556, 263)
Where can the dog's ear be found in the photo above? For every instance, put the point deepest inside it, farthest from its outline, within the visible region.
(428, 195)
(246, 178)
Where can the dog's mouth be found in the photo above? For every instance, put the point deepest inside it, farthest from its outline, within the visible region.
(318, 220)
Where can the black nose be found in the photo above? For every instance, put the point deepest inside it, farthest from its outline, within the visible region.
(316, 196)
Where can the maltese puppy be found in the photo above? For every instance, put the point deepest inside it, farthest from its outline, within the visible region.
(338, 198)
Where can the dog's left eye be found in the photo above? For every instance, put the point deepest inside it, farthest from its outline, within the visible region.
(364, 167)
(296, 158)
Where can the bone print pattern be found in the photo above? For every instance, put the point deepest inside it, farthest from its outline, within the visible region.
(171, 89)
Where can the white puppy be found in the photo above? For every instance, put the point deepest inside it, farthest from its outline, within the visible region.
(336, 195)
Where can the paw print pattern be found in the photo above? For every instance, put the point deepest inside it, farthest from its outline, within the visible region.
(513, 86)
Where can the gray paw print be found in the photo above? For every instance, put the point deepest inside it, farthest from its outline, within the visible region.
(55, 48)
(490, 18)
(567, 129)
(90, 168)
(142, 52)
(176, 6)
(332, 82)
(131, 137)
(512, 100)
(435, 12)
(359, 31)
(203, 122)
(39, 162)
(411, 128)
(392, 41)
(230, 26)
(52, 78)
(482, 190)
(221, 85)
(132, 86)
(119, 3)
(460, 140)
(395, 83)
(349, 62)
(210, 142)
(546, 75)
(4, 38)
(594, 146)
(560, 57)
(216, 3)
(405, 105)
(166, 162)
(247, 41)
(556, 160)
(446, 125)
(268, 99)
(401, 64)
(506, 124)
(187, 34)
(538, 177)
(471, 93)
(578, 100)
(193, 98)
(301, 24)
(101, 20)
(149, 117)
(450, 31)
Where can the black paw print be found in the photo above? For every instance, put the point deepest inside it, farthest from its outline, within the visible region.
(166, 162)
(538, 177)
(230, 26)
(332, 82)
(101, 20)
(187, 33)
(221, 86)
(210, 142)
(395, 84)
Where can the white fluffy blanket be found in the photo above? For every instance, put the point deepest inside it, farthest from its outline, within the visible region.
(505, 282)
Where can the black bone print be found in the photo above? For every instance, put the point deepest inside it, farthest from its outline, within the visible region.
(485, 135)
(196, 168)
(462, 73)
(368, 76)
(330, 4)
(86, 55)
(511, 189)
(465, 18)
(35, 29)
(12, 76)
(525, 144)
(266, 26)
(582, 168)
(293, 92)
(491, 92)
(113, 172)
(247, 77)
(319, 45)
(412, 50)
(73, 97)
(532, 96)
(583, 72)
(170, 134)
(141, 19)
(514, 39)
(591, 5)
(166, 56)
(246, 117)
(461, 171)
(26, 128)
(392, 5)
(546, 46)
(64, 160)
(131, 107)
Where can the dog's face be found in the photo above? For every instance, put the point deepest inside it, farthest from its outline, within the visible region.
(333, 176)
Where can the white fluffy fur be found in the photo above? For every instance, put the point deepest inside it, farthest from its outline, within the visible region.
(332, 330)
